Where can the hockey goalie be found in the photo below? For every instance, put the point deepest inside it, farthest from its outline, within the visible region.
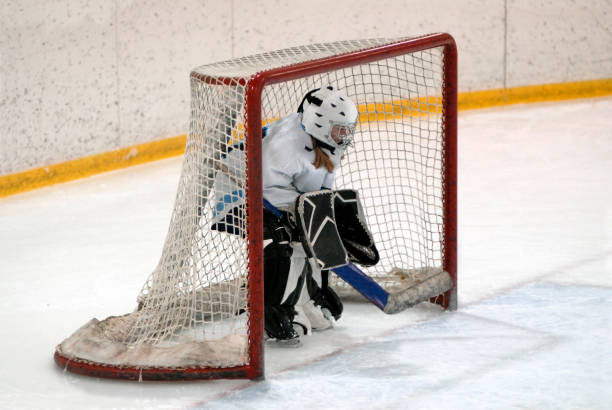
(309, 228)
(305, 222)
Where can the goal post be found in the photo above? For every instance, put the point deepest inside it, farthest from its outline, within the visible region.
(200, 313)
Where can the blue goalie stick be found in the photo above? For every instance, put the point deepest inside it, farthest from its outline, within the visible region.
(435, 282)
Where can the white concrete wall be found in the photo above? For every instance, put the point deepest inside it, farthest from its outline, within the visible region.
(81, 77)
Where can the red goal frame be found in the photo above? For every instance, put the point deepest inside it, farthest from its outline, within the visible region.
(254, 119)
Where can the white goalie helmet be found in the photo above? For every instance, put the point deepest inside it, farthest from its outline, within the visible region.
(329, 116)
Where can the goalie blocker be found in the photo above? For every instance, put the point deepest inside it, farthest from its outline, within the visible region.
(333, 231)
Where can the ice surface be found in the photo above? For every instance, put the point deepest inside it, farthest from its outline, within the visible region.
(534, 324)
(539, 346)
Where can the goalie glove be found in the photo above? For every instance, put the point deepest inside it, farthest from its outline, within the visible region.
(353, 229)
(314, 212)
(333, 229)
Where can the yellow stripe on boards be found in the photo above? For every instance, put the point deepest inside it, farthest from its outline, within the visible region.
(156, 150)
(95, 164)
(400, 108)
(534, 93)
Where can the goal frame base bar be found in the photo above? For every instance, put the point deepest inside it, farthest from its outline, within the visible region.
(93, 369)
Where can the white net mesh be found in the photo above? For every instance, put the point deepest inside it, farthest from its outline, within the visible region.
(194, 305)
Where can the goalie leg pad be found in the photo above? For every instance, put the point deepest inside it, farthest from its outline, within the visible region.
(323, 296)
(314, 213)
(283, 280)
(327, 299)
(298, 271)
(319, 318)
(277, 260)
(282, 287)
(353, 228)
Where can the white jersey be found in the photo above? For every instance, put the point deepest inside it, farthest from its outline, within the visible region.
(286, 167)
(287, 157)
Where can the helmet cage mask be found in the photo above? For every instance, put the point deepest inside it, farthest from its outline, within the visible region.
(342, 134)
(329, 116)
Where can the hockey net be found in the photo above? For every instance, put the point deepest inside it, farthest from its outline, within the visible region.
(200, 313)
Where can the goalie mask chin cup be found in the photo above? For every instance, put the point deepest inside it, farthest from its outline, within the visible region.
(329, 116)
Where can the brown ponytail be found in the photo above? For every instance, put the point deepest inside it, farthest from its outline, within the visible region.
(321, 159)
